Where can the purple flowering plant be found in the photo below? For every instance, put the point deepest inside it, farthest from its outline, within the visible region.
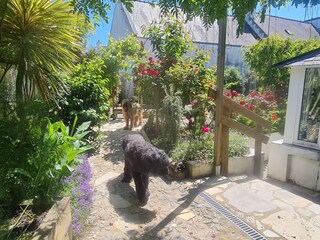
(77, 186)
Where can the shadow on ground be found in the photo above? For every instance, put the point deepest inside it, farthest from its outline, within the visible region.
(129, 209)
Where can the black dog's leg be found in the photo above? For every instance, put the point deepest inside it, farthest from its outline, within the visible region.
(145, 182)
(140, 187)
(127, 177)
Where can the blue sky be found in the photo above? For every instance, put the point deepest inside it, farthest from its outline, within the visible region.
(300, 13)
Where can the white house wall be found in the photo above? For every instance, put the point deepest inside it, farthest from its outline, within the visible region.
(120, 27)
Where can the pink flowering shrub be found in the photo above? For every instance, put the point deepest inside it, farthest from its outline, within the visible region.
(264, 104)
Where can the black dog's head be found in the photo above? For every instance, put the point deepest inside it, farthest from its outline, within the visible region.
(162, 170)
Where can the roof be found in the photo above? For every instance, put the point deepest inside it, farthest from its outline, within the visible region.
(287, 27)
(306, 59)
(144, 13)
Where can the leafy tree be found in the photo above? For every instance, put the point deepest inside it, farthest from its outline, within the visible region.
(39, 38)
(269, 51)
(168, 39)
(191, 76)
(170, 42)
(121, 55)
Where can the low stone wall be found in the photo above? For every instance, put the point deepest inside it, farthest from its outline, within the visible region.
(57, 223)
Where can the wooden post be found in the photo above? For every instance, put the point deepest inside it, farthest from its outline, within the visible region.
(225, 151)
(258, 160)
(219, 97)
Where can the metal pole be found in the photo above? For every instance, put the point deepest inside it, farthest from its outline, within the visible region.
(219, 97)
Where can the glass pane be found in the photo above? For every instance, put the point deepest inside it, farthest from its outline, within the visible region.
(310, 111)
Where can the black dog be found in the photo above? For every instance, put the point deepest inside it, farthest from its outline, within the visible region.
(142, 160)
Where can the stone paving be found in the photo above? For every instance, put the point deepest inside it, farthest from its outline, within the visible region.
(176, 211)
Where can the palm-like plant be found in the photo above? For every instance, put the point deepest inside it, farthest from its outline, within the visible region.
(40, 38)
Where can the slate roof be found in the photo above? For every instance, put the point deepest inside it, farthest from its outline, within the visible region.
(287, 28)
(310, 58)
(143, 14)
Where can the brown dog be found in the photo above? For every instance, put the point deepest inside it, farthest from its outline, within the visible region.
(131, 112)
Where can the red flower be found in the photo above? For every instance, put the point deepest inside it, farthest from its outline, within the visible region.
(205, 129)
(144, 72)
(251, 107)
(150, 59)
(234, 93)
(227, 94)
(254, 94)
(190, 120)
(242, 102)
(193, 104)
(141, 66)
(274, 116)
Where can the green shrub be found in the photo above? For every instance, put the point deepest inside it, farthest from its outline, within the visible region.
(38, 155)
(233, 79)
(88, 97)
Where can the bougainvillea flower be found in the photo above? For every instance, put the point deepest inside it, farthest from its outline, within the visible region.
(274, 116)
(150, 59)
(251, 107)
(234, 93)
(144, 72)
(205, 129)
(242, 102)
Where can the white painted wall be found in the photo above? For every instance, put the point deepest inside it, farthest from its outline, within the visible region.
(288, 157)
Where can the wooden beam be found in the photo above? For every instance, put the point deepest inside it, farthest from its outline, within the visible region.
(244, 129)
(233, 106)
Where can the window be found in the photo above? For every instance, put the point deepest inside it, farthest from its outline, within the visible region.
(310, 109)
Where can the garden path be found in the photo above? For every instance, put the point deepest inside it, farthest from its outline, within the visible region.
(178, 211)
(173, 211)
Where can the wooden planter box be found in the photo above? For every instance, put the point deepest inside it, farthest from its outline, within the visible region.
(57, 223)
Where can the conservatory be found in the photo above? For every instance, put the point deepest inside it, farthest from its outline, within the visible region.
(296, 157)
